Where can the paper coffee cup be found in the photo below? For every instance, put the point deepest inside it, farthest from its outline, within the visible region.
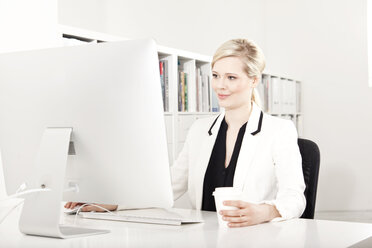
(225, 194)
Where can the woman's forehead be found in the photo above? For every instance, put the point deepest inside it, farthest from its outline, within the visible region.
(229, 65)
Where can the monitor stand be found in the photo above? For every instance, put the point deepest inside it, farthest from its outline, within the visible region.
(41, 211)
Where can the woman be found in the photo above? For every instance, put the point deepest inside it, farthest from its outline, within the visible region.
(242, 147)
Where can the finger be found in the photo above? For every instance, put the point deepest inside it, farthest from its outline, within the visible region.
(234, 225)
(238, 204)
(74, 204)
(232, 213)
(67, 205)
(239, 219)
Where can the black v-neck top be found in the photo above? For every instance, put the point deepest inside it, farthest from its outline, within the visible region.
(216, 174)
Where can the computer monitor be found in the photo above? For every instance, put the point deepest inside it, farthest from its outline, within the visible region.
(109, 96)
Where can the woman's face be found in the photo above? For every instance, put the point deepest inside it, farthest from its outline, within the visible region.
(232, 85)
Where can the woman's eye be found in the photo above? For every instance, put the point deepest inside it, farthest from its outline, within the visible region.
(231, 77)
(214, 75)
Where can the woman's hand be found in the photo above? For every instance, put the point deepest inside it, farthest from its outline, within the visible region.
(248, 214)
(89, 208)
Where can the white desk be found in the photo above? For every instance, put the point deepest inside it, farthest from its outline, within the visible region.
(292, 233)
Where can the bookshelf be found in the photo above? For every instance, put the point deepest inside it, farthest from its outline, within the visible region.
(185, 102)
(282, 97)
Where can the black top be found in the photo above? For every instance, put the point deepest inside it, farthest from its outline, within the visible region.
(217, 175)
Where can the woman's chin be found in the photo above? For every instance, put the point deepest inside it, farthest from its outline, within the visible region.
(225, 105)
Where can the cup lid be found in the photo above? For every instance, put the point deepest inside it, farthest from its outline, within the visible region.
(226, 191)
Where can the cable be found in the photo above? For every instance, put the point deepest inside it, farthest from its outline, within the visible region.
(20, 191)
(11, 210)
(22, 187)
(89, 204)
(26, 192)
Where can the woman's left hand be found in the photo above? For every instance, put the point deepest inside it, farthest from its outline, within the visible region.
(248, 214)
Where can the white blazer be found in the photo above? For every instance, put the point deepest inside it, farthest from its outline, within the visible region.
(268, 170)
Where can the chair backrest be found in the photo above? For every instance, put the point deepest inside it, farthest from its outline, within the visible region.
(310, 166)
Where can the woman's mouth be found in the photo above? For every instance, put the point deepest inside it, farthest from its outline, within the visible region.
(222, 96)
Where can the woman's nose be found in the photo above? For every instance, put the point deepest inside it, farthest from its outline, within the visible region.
(221, 83)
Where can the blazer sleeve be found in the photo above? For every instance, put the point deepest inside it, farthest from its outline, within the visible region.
(180, 169)
(290, 199)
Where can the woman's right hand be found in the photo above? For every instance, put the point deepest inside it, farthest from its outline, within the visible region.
(89, 208)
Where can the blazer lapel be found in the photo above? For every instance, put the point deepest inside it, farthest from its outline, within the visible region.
(205, 154)
(249, 146)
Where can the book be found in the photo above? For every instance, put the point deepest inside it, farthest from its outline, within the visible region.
(182, 78)
(179, 92)
(205, 94)
(186, 108)
(166, 84)
(161, 68)
(209, 94)
(200, 90)
(197, 90)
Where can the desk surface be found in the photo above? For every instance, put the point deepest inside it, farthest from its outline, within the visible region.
(292, 233)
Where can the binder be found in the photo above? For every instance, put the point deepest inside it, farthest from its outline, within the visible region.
(298, 97)
(276, 95)
(292, 97)
(267, 95)
(261, 93)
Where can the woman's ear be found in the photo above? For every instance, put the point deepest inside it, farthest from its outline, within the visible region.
(255, 82)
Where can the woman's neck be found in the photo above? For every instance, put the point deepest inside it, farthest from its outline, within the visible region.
(235, 118)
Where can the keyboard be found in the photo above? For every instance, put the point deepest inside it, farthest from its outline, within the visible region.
(172, 216)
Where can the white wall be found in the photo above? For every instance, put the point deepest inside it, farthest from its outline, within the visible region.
(193, 25)
(28, 24)
(86, 14)
(324, 44)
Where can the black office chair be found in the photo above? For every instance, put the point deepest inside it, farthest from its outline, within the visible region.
(310, 165)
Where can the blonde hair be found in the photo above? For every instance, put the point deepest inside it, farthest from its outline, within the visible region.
(251, 56)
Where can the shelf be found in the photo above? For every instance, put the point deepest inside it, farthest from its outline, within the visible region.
(283, 114)
(198, 113)
(200, 63)
(282, 76)
(163, 55)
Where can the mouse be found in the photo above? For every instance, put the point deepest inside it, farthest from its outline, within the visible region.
(71, 211)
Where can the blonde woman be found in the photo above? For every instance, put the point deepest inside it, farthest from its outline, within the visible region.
(243, 147)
